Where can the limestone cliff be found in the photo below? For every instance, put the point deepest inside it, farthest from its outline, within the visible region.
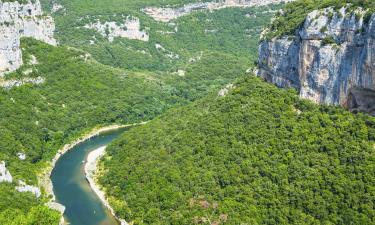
(331, 59)
(167, 14)
(21, 20)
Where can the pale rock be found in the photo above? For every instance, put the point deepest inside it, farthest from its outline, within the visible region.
(21, 156)
(33, 60)
(166, 52)
(9, 84)
(5, 174)
(223, 92)
(131, 29)
(167, 14)
(23, 187)
(21, 20)
(342, 73)
(57, 7)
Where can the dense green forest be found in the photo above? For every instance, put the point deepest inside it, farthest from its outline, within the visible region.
(259, 155)
(79, 94)
(234, 31)
(294, 14)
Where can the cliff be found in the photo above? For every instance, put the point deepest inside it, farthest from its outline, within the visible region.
(330, 59)
(167, 14)
(17, 21)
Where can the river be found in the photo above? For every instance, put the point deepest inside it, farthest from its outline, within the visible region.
(71, 188)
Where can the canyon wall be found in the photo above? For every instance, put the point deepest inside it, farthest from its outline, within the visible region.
(168, 13)
(17, 21)
(331, 59)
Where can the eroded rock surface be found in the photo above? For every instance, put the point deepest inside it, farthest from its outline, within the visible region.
(21, 20)
(8, 84)
(131, 29)
(5, 174)
(331, 59)
(23, 187)
(167, 14)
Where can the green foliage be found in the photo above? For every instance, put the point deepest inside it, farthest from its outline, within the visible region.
(328, 40)
(295, 13)
(39, 215)
(232, 33)
(24, 209)
(259, 155)
(79, 94)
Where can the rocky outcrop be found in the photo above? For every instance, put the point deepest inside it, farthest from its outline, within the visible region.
(5, 174)
(9, 84)
(331, 59)
(21, 20)
(131, 29)
(23, 187)
(167, 14)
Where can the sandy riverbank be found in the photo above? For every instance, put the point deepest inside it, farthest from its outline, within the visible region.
(44, 178)
(90, 173)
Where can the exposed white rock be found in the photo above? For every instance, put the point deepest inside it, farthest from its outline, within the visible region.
(223, 92)
(21, 156)
(21, 20)
(131, 29)
(56, 206)
(23, 187)
(5, 174)
(8, 84)
(33, 60)
(168, 14)
(338, 71)
(166, 52)
(57, 7)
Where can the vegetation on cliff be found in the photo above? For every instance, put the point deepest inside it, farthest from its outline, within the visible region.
(294, 14)
(259, 155)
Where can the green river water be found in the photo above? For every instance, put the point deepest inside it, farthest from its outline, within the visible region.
(72, 189)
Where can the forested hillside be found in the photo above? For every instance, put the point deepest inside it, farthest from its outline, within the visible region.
(259, 155)
(78, 94)
(232, 31)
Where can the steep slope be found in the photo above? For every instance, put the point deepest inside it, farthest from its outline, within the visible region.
(21, 19)
(329, 58)
(257, 155)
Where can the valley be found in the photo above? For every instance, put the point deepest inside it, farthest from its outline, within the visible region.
(259, 112)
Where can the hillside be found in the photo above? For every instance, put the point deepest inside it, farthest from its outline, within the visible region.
(222, 146)
(50, 96)
(120, 34)
(258, 155)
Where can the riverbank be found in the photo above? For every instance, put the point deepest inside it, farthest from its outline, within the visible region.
(91, 167)
(44, 178)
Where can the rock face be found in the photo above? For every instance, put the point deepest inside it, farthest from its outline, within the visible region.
(23, 187)
(8, 84)
(168, 14)
(4, 174)
(131, 29)
(331, 59)
(21, 20)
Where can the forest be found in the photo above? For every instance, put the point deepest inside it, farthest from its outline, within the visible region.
(259, 155)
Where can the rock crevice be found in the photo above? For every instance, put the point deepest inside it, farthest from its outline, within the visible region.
(331, 59)
(17, 21)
